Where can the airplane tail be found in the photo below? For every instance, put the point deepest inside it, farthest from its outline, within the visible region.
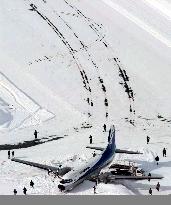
(111, 140)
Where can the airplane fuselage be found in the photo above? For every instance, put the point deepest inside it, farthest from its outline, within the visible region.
(74, 178)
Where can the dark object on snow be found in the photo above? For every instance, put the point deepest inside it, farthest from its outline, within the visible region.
(94, 188)
(106, 102)
(104, 126)
(150, 191)
(33, 7)
(148, 139)
(15, 191)
(97, 181)
(91, 139)
(158, 186)
(164, 152)
(8, 154)
(35, 134)
(157, 160)
(25, 190)
(32, 184)
(149, 175)
(12, 153)
(49, 171)
(94, 154)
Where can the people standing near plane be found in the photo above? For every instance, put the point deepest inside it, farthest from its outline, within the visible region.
(12, 154)
(157, 159)
(15, 192)
(164, 152)
(8, 154)
(25, 190)
(32, 184)
(158, 186)
(94, 188)
(148, 139)
(150, 191)
(94, 154)
(91, 139)
(104, 126)
(149, 175)
(35, 134)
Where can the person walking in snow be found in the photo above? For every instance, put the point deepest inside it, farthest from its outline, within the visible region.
(158, 186)
(25, 190)
(8, 154)
(157, 159)
(94, 188)
(91, 139)
(149, 175)
(32, 184)
(94, 154)
(35, 134)
(104, 126)
(150, 191)
(148, 139)
(12, 154)
(15, 192)
(164, 152)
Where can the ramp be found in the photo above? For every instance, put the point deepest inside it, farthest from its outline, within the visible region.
(109, 178)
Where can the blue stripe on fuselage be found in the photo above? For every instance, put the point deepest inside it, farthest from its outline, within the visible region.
(106, 157)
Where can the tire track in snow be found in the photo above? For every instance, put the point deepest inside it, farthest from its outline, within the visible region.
(72, 51)
(101, 36)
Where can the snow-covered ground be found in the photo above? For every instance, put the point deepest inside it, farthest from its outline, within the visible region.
(59, 63)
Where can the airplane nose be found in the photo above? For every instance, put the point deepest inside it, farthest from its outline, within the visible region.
(61, 187)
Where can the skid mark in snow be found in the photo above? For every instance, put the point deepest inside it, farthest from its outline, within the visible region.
(29, 111)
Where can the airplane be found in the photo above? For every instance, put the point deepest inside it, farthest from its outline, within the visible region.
(72, 177)
(95, 165)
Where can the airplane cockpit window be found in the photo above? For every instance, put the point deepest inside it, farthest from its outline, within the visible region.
(65, 181)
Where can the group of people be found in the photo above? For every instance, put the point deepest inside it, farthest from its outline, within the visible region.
(94, 154)
(157, 161)
(10, 154)
(157, 187)
(91, 138)
(157, 157)
(24, 189)
(31, 182)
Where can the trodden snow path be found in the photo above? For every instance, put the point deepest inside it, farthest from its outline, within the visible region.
(68, 67)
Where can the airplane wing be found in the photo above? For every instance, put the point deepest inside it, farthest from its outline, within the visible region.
(60, 171)
(116, 151)
(114, 177)
(96, 148)
(126, 151)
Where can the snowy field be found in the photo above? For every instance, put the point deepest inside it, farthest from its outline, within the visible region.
(59, 63)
